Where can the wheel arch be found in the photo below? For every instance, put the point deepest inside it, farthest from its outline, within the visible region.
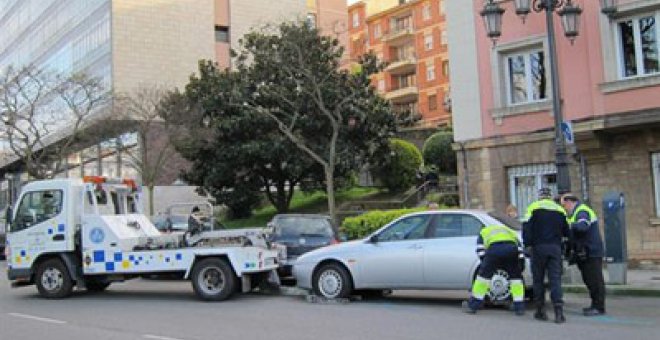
(339, 262)
(68, 259)
(199, 258)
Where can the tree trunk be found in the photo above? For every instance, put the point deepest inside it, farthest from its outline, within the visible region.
(282, 203)
(330, 188)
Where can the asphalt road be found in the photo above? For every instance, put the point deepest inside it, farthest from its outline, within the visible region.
(144, 309)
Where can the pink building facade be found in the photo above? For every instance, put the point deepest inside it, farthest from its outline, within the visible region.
(610, 92)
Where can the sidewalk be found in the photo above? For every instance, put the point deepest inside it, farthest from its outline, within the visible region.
(640, 282)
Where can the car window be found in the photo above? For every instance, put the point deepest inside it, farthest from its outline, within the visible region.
(506, 220)
(409, 228)
(37, 207)
(454, 225)
(301, 226)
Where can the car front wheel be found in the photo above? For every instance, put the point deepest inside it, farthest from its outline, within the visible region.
(332, 281)
(53, 279)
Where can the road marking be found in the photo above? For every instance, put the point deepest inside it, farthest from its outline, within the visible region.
(36, 318)
(158, 337)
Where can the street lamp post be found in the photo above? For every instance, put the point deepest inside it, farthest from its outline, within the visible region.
(570, 15)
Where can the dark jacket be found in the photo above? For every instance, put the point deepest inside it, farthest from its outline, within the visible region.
(545, 223)
(585, 231)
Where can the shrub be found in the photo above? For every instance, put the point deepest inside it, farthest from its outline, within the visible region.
(439, 154)
(365, 224)
(400, 167)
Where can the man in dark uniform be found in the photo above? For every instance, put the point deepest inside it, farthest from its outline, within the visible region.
(588, 250)
(544, 229)
(498, 247)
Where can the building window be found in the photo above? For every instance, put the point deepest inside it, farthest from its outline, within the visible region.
(442, 7)
(443, 37)
(381, 85)
(445, 68)
(401, 23)
(433, 102)
(356, 19)
(525, 182)
(426, 11)
(430, 72)
(655, 161)
(428, 42)
(222, 34)
(376, 29)
(406, 80)
(525, 77)
(638, 45)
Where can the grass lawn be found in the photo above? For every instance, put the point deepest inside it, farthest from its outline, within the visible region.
(315, 202)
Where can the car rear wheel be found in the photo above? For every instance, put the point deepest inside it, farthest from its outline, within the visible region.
(53, 279)
(332, 281)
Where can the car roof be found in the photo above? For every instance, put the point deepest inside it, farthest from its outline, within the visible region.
(301, 215)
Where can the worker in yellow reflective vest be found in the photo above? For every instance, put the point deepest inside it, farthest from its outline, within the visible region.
(498, 247)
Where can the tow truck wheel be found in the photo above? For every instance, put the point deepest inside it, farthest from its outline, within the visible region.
(53, 279)
(213, 279)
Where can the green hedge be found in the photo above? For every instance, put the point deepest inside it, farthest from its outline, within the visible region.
(438, 153)
(365, 224)
(398, 172)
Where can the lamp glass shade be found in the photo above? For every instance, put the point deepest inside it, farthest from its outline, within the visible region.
(570, 20)
(523, 7)
(492, 14)
(608, 7)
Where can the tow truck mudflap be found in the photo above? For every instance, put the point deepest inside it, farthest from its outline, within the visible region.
(272, 280)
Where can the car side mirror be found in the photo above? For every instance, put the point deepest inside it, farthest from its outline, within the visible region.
(373, 239)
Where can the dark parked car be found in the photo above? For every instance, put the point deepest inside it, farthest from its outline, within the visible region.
(301, 233)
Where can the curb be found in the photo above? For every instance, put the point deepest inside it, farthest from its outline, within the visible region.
(617, 290)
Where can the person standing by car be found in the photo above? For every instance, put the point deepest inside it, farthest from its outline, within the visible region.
(498, 247)
(588, 250)
(544, 229)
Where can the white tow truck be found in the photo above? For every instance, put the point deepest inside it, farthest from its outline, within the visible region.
(88, 233)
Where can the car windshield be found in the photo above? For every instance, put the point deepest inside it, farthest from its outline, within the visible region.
(301, 226)
(506, 220)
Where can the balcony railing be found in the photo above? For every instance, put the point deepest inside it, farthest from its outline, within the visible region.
(404, 65)
(402, 94)
(397, 34)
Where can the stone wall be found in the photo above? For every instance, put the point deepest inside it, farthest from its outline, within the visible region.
(622, 162)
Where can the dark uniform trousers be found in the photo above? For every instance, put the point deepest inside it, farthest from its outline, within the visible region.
(547, 258)
(501, 255)
(592, 275)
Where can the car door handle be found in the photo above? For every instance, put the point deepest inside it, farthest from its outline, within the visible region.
(58, 237)
(415, 246)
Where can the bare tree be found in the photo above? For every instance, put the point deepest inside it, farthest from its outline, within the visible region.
(142, 112)
(44, 116)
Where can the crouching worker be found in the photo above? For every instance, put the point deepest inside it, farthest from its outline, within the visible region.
(498, 247)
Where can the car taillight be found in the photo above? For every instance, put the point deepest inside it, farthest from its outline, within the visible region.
(334, 241)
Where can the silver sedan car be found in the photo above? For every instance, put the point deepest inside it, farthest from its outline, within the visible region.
(424, 250)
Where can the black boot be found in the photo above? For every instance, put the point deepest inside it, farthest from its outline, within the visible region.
(559, 314)
(540, 314)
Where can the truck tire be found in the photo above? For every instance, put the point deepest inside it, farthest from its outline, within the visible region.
(95, 285)
(213, 279)
(332, 281)
(53, 279)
